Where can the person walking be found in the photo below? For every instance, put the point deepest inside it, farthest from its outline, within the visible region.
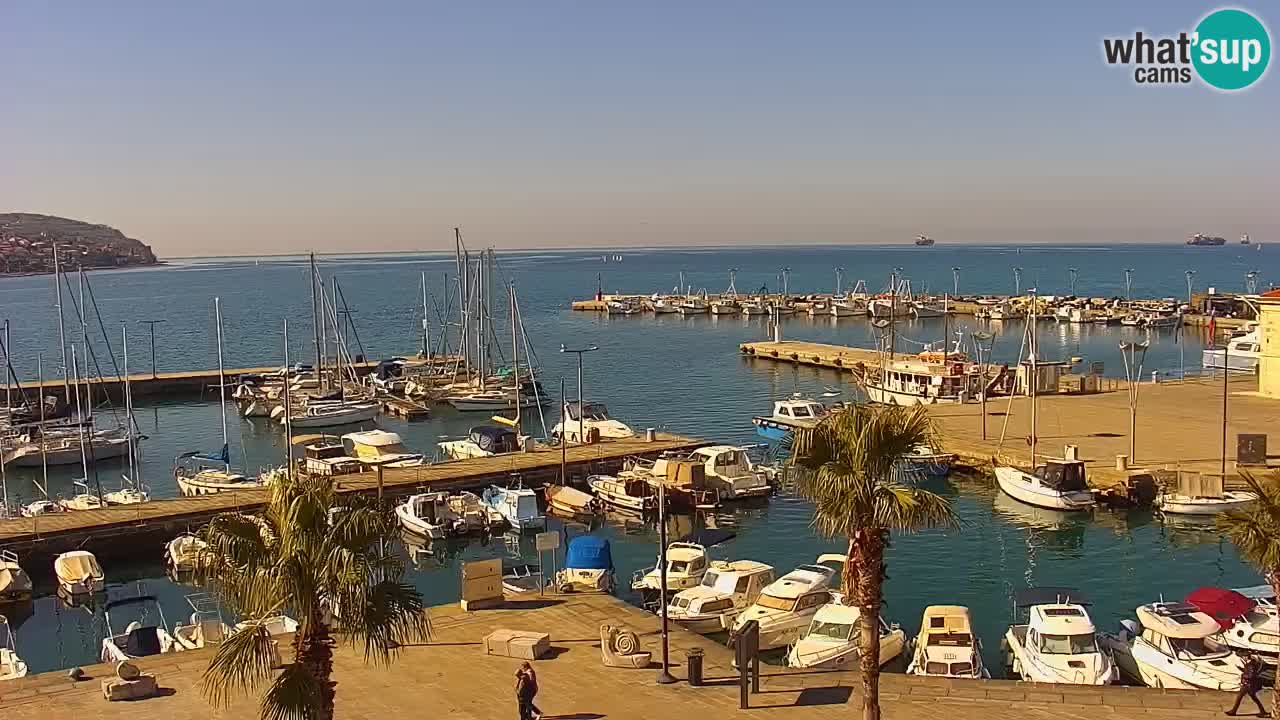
(1250, 684)
(524, 694)
(532, 681)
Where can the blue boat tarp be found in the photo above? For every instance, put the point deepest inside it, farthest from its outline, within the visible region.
(588, 552)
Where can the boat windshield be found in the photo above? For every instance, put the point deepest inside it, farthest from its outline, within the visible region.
(1258, 616)
(832, 630)
(801, 411)
(1198, 648)
(1082, 644)
(679, 566)
(776, 603)
(709, 580)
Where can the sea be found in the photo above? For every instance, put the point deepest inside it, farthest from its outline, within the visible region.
(670, 372)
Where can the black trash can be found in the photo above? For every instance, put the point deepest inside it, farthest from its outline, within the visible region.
(693, 662)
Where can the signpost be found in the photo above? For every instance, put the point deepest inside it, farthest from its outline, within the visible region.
(544, 542)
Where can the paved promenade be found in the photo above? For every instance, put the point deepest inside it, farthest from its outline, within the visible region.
(452, 677)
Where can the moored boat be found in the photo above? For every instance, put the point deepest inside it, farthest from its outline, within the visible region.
(588, 566)
(78, 573)
(1175, 646)
(947, 646)
(632, 494)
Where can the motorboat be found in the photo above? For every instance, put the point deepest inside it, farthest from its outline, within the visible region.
(634, 494)
(274, 625)
(1058, 484)
(687, 562)
(592, 420)
(793, 413)
(728, 472)
(182, 553)
(82, 500)
(924, 462)
(947, 646)
(517, 505)
(724, 307)
(325, 456)
(205, 627)
(379, 447)
(1240, 355)
(588, 566)
(15, 583)
(693, 305)
(472, 515)
(570, 501)
(42, 507)
(12, 665)
(481, 441)
(494, 400)
(141, 637)
(1058, 643)
(831, 640)
(1201, 494)
(786, 606)
(78, 573)
(917, 382)
(726, 589)
(328, 413)
(1176, 646)
(427, 515)
(1248, 627)
(753, 308)
(521, 577)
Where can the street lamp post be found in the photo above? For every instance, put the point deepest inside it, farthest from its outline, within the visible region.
(1190, 274)
(1133, 353)
(152, 325)
(1251, 282)
(579, 351)
(664, 675)
(839, 279)
(1128, 283)
(955, 282)
(1073, 272)
(1017, 281)
(984, 343)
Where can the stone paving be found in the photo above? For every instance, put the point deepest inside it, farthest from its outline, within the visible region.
(452, 677)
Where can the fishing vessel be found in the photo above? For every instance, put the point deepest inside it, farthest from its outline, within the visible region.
(831, 640)
(726, 589)
(1058, 643)
(947, 646)
(687, 562)
(797, 411)
(143, 637)
(1175, 646)
(588, 566)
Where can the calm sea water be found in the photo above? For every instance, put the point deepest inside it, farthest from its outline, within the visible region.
(668, 371)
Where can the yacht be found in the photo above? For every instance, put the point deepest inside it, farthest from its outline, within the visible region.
(1248, 627)
(12, 666)
(183, 552)
(1241, 354)
(831, 641)
(45, 446)
(687, 562)
(140, 638)
(634, 494)
(918, 382)
(795, 412)
(785, 607)
(78, 573)
(427, 515)
(518, 506)
(1174, 645)
(1058, 484)
(946, 646)
(726, 589)
(1005, 311)
(379, 447)
(328, 413)
(205, 627)
(15, 583)
(588, 566)
(728, 472)
(1059, 643)
(592, 418)
(481, 441)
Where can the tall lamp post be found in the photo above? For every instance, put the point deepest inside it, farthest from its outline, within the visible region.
(1133, 353)
(955, 281)
(1251, 282)
(1073, 272)
(664, 675)
(152, 325)
(1128, 283)
(579, 351)
(1190, 274)
(984, 343)
(1017, 281)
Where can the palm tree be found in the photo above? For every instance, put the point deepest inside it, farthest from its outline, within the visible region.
(1255, 531)
(322, 559)
(848, 467)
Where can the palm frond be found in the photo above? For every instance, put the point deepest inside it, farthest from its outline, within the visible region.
(296, 694)
(1255, 530)
(243, 661)
(391, 615)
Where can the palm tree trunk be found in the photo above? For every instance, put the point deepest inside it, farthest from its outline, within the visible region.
(867, 550)
(1274, 577)
(314, 651)
(848, 575)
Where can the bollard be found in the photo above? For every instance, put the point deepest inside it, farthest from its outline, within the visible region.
(650, 435)
(693, 662)
(1122, 463)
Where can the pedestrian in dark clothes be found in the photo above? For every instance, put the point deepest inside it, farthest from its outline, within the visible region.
(532, 678)
(1250, 684)
(524, 695)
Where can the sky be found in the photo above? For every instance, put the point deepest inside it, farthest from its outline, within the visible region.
(274, 127)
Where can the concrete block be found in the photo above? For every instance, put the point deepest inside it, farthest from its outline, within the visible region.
(143, 687)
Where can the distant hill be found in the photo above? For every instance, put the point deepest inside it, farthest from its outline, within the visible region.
(27, 240)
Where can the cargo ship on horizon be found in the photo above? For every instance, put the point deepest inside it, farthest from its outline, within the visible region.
(924, 240)
(1199, 239)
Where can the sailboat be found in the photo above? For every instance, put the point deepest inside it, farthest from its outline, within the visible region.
(131, 492)
(1058, 484)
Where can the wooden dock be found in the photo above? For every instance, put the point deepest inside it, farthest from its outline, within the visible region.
(126, 530)
(832, 357)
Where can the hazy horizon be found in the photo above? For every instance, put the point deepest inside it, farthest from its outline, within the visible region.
(236, 129)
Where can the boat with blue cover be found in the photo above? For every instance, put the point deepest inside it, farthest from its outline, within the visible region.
(588, 566)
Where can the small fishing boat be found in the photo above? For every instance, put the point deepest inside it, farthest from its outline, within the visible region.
(183, 552)
(633, 494)
(140, 638)
(565, 500)
(1176, 646)
(427, 515)
(521, 577)
(1202, 494)
(919, 382)
(518, 506)
(841, 308)
(1058, 484)
(12, 666)
(727, 588)
(926, 463)
(588, 566)
(753, 308)
(15, 583)
(205, 627)
(946, 646)
(78, 573)
(831, 640)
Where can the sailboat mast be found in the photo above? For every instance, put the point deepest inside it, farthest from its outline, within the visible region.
(44, 456)
(62, 332)
(288, 412)
(426, 349)
(515, 355)
(1031, 343)
(464, 268)
(84, 458)
(128, 401)
(222, 383)
(315, 327)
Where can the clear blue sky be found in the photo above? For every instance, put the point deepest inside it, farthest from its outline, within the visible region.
(241, 127)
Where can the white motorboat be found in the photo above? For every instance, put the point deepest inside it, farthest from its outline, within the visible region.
(472, 515)
(142, 637)
(726, 589)
(12, 665)
(946, 645)
(687, 562)
(183, 552)
(588, 566)
(1174, 645)
(593, 419)
(521, 577)
(888, 307)
(1059, 643)
(924, 462)
(831, 640)
(379, 447)
(662, 306)
(82, 500)
(632, 494)
(728, 472)
(427, 515)
(15, 583)
(481, 441)
(1058, 484)
(78, 573)
(328, 413)
(1249, 626)
(778, 309)
(1201, 494)
(517, 505)
(130, 493)
(42, 507)
(205, 627)
(1240, 355)
(570, 501)
(623, 306)
(785, 607)
(790, 414)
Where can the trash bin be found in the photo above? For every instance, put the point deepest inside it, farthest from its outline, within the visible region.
(693, 662)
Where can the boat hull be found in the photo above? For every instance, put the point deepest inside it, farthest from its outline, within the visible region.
(348, 417)
(1013, 483)
(1242, 362)
(1182, 505)
(884, 396)
(101, 450)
